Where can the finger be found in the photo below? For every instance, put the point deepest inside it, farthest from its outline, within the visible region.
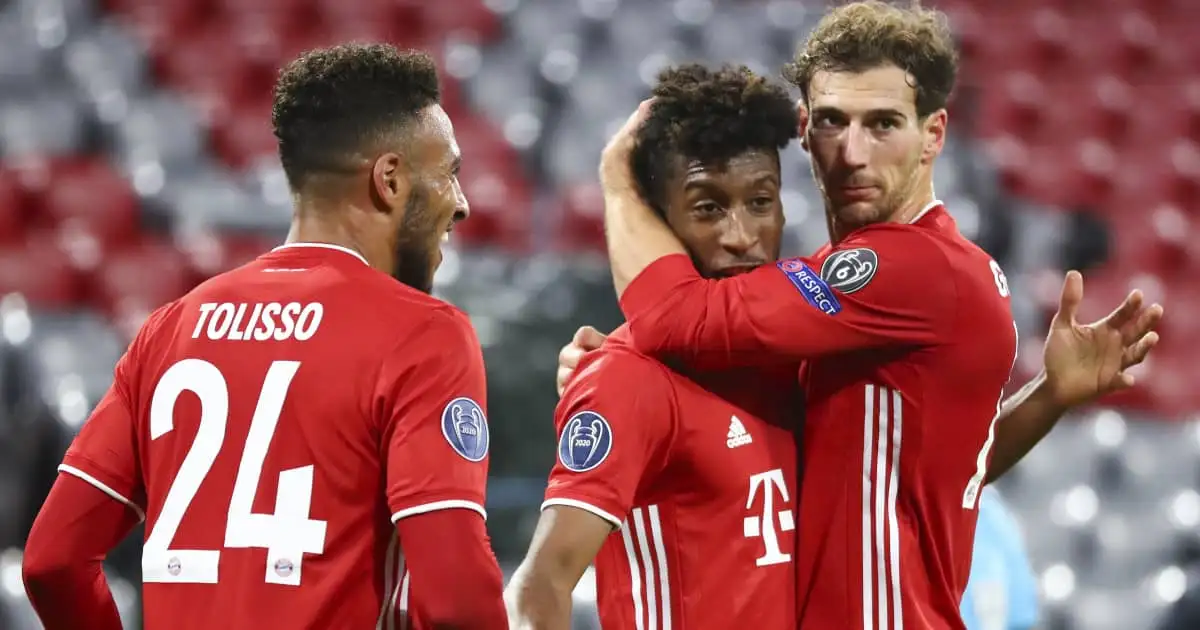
(636, 119)
(560, 379)
(1138, 352)
(1068, 302)
(1146, 320)
(588, 338)
(1126, 312)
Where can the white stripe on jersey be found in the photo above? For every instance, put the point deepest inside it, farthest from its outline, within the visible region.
(393, 615)
(647, 576)
(882, 432)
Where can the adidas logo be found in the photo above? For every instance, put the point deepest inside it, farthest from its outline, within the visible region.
(737, 435)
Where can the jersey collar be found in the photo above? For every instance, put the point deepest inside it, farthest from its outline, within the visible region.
(339, 248)
(924, 211)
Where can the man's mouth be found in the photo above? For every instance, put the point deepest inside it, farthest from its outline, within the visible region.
(857, 192)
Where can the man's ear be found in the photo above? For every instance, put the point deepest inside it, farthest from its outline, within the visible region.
(802, 123)
(390, 182)
(934, 130)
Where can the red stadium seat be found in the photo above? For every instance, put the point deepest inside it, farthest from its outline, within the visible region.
(159, 22)
(141, 277)
(402, 23)
(39, 270)
(208, 254)
(582, 219)
(1152, 237)
(246, 135)
(467, 15)
(12, 207)
(90, 198)
(499, 208)
(214, 74)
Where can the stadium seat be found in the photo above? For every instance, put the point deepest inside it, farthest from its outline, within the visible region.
(159, 129)
(39, 270)
(582, 224)
(12, 207)
(134, 281)
(91, 197)
(245, 135)
(47, 123)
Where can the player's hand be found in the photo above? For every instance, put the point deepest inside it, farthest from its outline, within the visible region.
(1086, 361)
(614, 160)
(586, 339)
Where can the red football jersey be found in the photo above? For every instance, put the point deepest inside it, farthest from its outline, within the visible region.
(699, 482)
(909, 338)
(272, 425)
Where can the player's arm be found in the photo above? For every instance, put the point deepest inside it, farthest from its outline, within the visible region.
(1082, 363)
(614, 424)
(885, 286)
(565, 542)
(96, 500)
(433, 395)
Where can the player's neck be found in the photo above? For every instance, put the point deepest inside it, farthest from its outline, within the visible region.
(907, 213)
(310, 226)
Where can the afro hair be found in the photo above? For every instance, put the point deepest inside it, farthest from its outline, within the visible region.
(709, 115)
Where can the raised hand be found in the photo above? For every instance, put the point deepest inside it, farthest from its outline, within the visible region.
(614, 160)
(585, 340)
(1086, 361)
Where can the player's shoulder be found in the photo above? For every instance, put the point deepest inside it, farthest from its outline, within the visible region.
(616, 369)
(159, 323)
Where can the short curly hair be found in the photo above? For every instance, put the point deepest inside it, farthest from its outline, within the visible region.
(863, 35)
(710, 115)
(333, 103)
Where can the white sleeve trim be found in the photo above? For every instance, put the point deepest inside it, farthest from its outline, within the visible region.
(440, 505)
(586, 507)
(102, 487)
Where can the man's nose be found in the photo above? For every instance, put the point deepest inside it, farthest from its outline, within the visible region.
(856, 146)
(462, 208)
(737, 238)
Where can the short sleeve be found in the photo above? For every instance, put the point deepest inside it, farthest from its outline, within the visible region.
(615, 425)
(435, 433)
(105, 453)
(887, 285)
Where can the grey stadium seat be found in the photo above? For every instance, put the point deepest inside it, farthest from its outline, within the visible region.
(105, 63)
(158, 129)
(23, 63)
(48, 123)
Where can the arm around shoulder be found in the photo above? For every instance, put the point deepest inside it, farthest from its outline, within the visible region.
(885, 286)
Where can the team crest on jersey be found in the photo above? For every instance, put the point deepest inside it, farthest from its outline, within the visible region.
(465, 428)
(849, 270)
(585, 442)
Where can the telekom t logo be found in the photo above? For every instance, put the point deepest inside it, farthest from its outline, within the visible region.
(764, 526)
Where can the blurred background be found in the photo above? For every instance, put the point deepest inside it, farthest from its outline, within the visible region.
(137, 159)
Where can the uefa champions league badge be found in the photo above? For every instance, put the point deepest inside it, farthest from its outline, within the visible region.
(465, 427)
(585, 442)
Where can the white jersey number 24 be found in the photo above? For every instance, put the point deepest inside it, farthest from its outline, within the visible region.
(287, 534)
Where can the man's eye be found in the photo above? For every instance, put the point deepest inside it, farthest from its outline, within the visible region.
(824, 122)
(706, 207)
(886, 124)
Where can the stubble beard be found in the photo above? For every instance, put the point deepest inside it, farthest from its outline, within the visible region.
(414, 263)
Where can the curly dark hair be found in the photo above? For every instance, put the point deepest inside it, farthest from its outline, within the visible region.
(333, 103)
(710, 115)
(863, 35)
